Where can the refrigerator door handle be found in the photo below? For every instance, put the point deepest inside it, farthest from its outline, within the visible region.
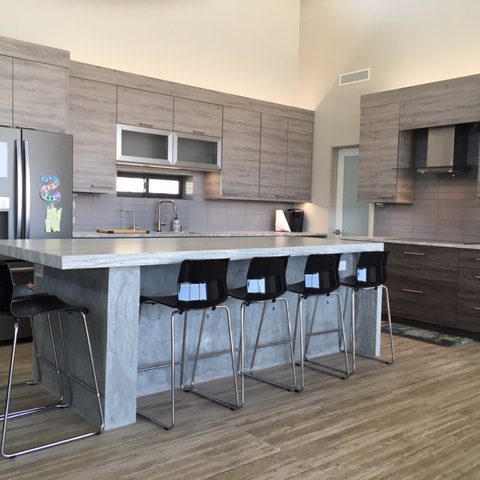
(19, 206)
(26, 150)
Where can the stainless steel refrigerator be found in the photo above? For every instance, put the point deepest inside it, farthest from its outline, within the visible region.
(35, 184)
(35, 196)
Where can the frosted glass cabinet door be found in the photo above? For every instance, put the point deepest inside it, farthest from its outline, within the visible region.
(197, 152)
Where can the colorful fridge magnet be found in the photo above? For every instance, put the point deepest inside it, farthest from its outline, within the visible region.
(49, 190)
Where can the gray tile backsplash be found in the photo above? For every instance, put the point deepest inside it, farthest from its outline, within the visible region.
(445, 208)
(94, 211)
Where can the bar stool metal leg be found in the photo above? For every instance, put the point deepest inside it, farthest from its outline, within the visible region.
(342, 338)
(171, 423)
(290, 342)
(8, 416)
(9, 391)
(192, 388)
(392, 350)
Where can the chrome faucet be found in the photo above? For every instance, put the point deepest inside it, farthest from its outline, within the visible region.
(161, 224)
(128, 210)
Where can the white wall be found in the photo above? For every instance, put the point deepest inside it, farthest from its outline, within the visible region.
(404, 42)
(246, 47)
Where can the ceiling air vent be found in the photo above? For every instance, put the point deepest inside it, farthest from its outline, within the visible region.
(354, 77)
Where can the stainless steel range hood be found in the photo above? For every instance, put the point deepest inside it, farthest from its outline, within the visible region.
(446, 149)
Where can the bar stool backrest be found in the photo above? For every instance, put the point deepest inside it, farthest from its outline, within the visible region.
(266, 278)
(202, 283)
(372, 268)
(321, 274)
(6, 289)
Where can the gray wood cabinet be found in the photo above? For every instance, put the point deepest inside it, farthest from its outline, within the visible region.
(6, 91)
(468, 295)
(144, 109)
(273, 156)
(93, 126)
(385, 172)
(299, 160)
(199, 118)
(241, 153)
(422, 283)
(40, 98)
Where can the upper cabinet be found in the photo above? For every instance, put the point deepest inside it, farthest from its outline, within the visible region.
(384, 172)
(241, 153)
(93, 126)
(273, 156)
(299, 160)
(33, 86)
(144, 109)
(199, 118)
(6, 91)
(40, 99)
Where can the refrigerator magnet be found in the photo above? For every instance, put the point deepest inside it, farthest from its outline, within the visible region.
(49, 191)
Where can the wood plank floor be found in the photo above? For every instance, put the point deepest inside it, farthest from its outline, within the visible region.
(418, 419)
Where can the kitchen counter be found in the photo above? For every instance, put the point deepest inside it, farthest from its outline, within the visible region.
(109, 276)
(409, 241)
(196, 234)
(68, 254)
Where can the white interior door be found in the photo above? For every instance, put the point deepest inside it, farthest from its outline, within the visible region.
(352, 218)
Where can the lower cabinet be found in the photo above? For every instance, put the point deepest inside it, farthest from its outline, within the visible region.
(422, 283)
(468, 295)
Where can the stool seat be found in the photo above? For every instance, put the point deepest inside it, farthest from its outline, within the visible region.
(353, 282)
(41, 303)
(301, 289)
(241, 293)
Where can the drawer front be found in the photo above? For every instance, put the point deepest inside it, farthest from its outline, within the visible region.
(468, 315)
(415, 301)
(436, 266)
(469, 283)
(469, 258)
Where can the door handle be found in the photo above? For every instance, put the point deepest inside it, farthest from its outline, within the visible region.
(26, 149)
(18, 156)
(419, 254)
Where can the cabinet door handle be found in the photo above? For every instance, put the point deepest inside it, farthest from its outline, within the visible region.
(477, 277)
(198, 132)
(477, 259)
(387, 196)
(419, 254)
(409, 290)
(146, 125)
(476, 308)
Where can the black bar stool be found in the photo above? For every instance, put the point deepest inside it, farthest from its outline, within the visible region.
(371, 274)
(266, 282)
(320, 279)
(17, 307)
(201, 285)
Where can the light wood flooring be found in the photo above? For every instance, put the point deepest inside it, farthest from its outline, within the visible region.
(418, 419)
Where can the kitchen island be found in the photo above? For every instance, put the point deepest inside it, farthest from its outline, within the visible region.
(109, 275)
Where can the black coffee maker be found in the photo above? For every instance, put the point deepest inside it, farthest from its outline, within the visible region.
(295, 219)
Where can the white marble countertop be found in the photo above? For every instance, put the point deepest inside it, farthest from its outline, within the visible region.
(409, 241)
(69, 254)
(195, 234)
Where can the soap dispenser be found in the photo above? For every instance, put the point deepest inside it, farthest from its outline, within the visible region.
(176, 226)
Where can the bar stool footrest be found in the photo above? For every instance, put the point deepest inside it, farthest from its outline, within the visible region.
(213, 398)
(328, 369)
(290, 388)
